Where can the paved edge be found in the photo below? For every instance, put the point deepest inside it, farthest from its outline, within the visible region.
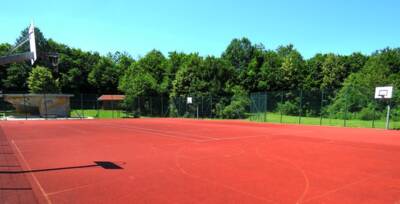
(37, 190)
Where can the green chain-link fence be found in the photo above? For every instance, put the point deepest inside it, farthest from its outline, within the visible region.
(348, 109)
(354, 107)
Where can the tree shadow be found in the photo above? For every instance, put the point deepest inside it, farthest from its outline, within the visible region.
(103, 164)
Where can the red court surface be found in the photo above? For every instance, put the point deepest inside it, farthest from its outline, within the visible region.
(196, 161)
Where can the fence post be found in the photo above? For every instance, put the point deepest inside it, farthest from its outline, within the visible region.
(301, 101)
(321, 108)
(26, 112)
(211, 106)
(112, 106)
(345, 111)
(266, 106)
(373, 117)
(3, 109)
(97, 107)
(162, 106)
(197, 111)
(45, 106)
(82, 111)
(281, 105)
(139, 105)
(202, 107)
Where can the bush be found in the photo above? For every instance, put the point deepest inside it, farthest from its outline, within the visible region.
(233, 111)
(41, 80)
(288, 108)
(173, 111)
(369, 113)
(238, 106)
(395, 114)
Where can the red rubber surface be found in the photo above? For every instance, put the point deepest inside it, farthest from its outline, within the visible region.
(195, 161)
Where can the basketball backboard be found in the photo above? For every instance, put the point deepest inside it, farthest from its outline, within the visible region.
(32, 42)
(384, 92)
(20, 57)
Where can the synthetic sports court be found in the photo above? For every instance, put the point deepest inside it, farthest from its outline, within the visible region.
(195, 161)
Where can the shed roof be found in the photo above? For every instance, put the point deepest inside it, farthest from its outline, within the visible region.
(111, 98)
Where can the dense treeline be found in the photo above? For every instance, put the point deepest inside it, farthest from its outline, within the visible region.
(242, 68)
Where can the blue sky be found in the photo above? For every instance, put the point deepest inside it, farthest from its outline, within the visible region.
(207, 26)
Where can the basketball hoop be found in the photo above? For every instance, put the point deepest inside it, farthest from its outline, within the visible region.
(189, 100)
(383, 93)
(53, 57)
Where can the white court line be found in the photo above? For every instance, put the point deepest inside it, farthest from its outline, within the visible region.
(163, 131)
(145, 130)
(32, 174)
(233, 138)
(209, 181)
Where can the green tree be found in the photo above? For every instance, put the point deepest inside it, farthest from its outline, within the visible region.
(122, 60)
(239, 53)
(41, 80)
(314, 76)
(357, 91)
(72, 80)
(270, 74)
(333, 71)
(173, 64)
(80, 62)
(188, 79)
(16, 77)
(135, 83)
(238, 105)
(105, 75)
(138, 82)
(292, 68)
(4, 49)
(144, 78)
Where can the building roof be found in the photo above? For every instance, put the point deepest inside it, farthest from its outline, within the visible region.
(36, 95)
(111, 98)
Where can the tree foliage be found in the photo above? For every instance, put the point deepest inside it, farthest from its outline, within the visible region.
(242, 68)
(41, 80)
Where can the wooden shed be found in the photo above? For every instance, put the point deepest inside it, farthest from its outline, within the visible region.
(111, 101)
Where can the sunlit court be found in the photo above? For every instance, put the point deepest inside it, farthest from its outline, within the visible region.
(195, 161)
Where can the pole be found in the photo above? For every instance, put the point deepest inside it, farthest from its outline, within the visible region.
(45, 106)
(266, 106)
(345, 111)
(82, 111)
(322, 105)
(373, 119)
(202, 106)
(301, 105)
(281, 104)
(25, 109)
(112, 106)
(151, 106)
(97, 107)
(162, 107)
(197, 111)
(3, 106)
(388, 117)
(138, 105)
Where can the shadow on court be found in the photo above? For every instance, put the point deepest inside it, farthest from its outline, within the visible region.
(103, 164)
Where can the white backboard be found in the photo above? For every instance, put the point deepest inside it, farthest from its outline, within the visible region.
(189, 100)
(383, 92)
(32, 42)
